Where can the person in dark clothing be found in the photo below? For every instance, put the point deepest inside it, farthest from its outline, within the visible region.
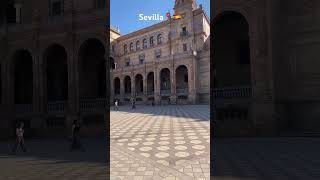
(19, 138)
(76, 144)
(133, 104)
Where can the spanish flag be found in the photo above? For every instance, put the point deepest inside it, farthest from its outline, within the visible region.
(176, 17)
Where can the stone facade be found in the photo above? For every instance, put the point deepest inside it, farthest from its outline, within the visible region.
(165, 63)
(278, 90)
(49, 56)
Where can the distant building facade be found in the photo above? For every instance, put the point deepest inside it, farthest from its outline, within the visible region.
(53, 66)
(168, 62)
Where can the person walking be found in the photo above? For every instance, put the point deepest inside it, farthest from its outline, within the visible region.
(133, 103)
(116, 105)
(19, 138)
(75, 143)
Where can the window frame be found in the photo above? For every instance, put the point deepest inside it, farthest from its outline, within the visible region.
(159, 39)
(151, 41)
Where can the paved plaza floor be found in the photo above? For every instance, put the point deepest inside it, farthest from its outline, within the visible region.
(160, 142)
(50, 159)
(292, 158)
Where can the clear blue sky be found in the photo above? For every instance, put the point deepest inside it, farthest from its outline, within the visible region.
(125, 13)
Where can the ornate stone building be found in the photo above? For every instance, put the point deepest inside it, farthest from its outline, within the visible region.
(168, 61)
(53, 67)
(265, 66)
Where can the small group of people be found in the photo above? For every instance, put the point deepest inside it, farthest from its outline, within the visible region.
(75, 137)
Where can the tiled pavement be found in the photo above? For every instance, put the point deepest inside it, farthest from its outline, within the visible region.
(281, 158)
(51, 160)
(161, 142)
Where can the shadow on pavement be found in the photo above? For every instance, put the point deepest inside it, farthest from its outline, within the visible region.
(58, 151)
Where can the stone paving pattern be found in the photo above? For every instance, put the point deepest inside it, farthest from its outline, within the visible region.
(51, 160)
(294, 158)
(160, 142)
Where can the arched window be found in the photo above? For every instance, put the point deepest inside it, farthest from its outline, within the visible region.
(138, 45)
(144, 43)
(159, 39)
(125, 49)
(131, 46)
(151, 41)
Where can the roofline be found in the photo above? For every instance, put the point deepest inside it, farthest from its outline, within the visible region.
(146, 29)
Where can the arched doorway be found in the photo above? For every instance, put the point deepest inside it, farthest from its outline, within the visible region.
(182, 81)
(231, 74)
(56, 73)
(165, 83)
(116, 86)
(231, 56)
(139, 85)
(127, 86)
(92, 73)
(150, 83)
(23, 79)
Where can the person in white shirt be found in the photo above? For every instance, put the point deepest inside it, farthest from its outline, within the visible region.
(116, 107)
(19, 138)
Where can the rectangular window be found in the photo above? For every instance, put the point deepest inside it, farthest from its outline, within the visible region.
(185, 47)
(141, 58)
(157, 53)
(127, 62)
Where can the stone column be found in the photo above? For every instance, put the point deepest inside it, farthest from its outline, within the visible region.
(173, 97)
(133, 86)
(112, 95)
(122, 93)
(18, 7)
(192, 81)
(145, 83)
(156, 85)
(38, 121)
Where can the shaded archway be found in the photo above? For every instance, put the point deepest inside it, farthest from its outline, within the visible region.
(231, 56)
(23, 77)
(116, 86)
(182, 80)
(92, 70)
(139, 84)
(165, 84)
(127, 85)
(56, 73)
(150, 83)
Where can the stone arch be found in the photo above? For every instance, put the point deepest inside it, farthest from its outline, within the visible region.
(56, 72)
(138, 84)
(127, 85)
(231, 50)
(92, 69)
(165, 81)
(116, 85)
(150, 83)
(23, 76)
(182, 80)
